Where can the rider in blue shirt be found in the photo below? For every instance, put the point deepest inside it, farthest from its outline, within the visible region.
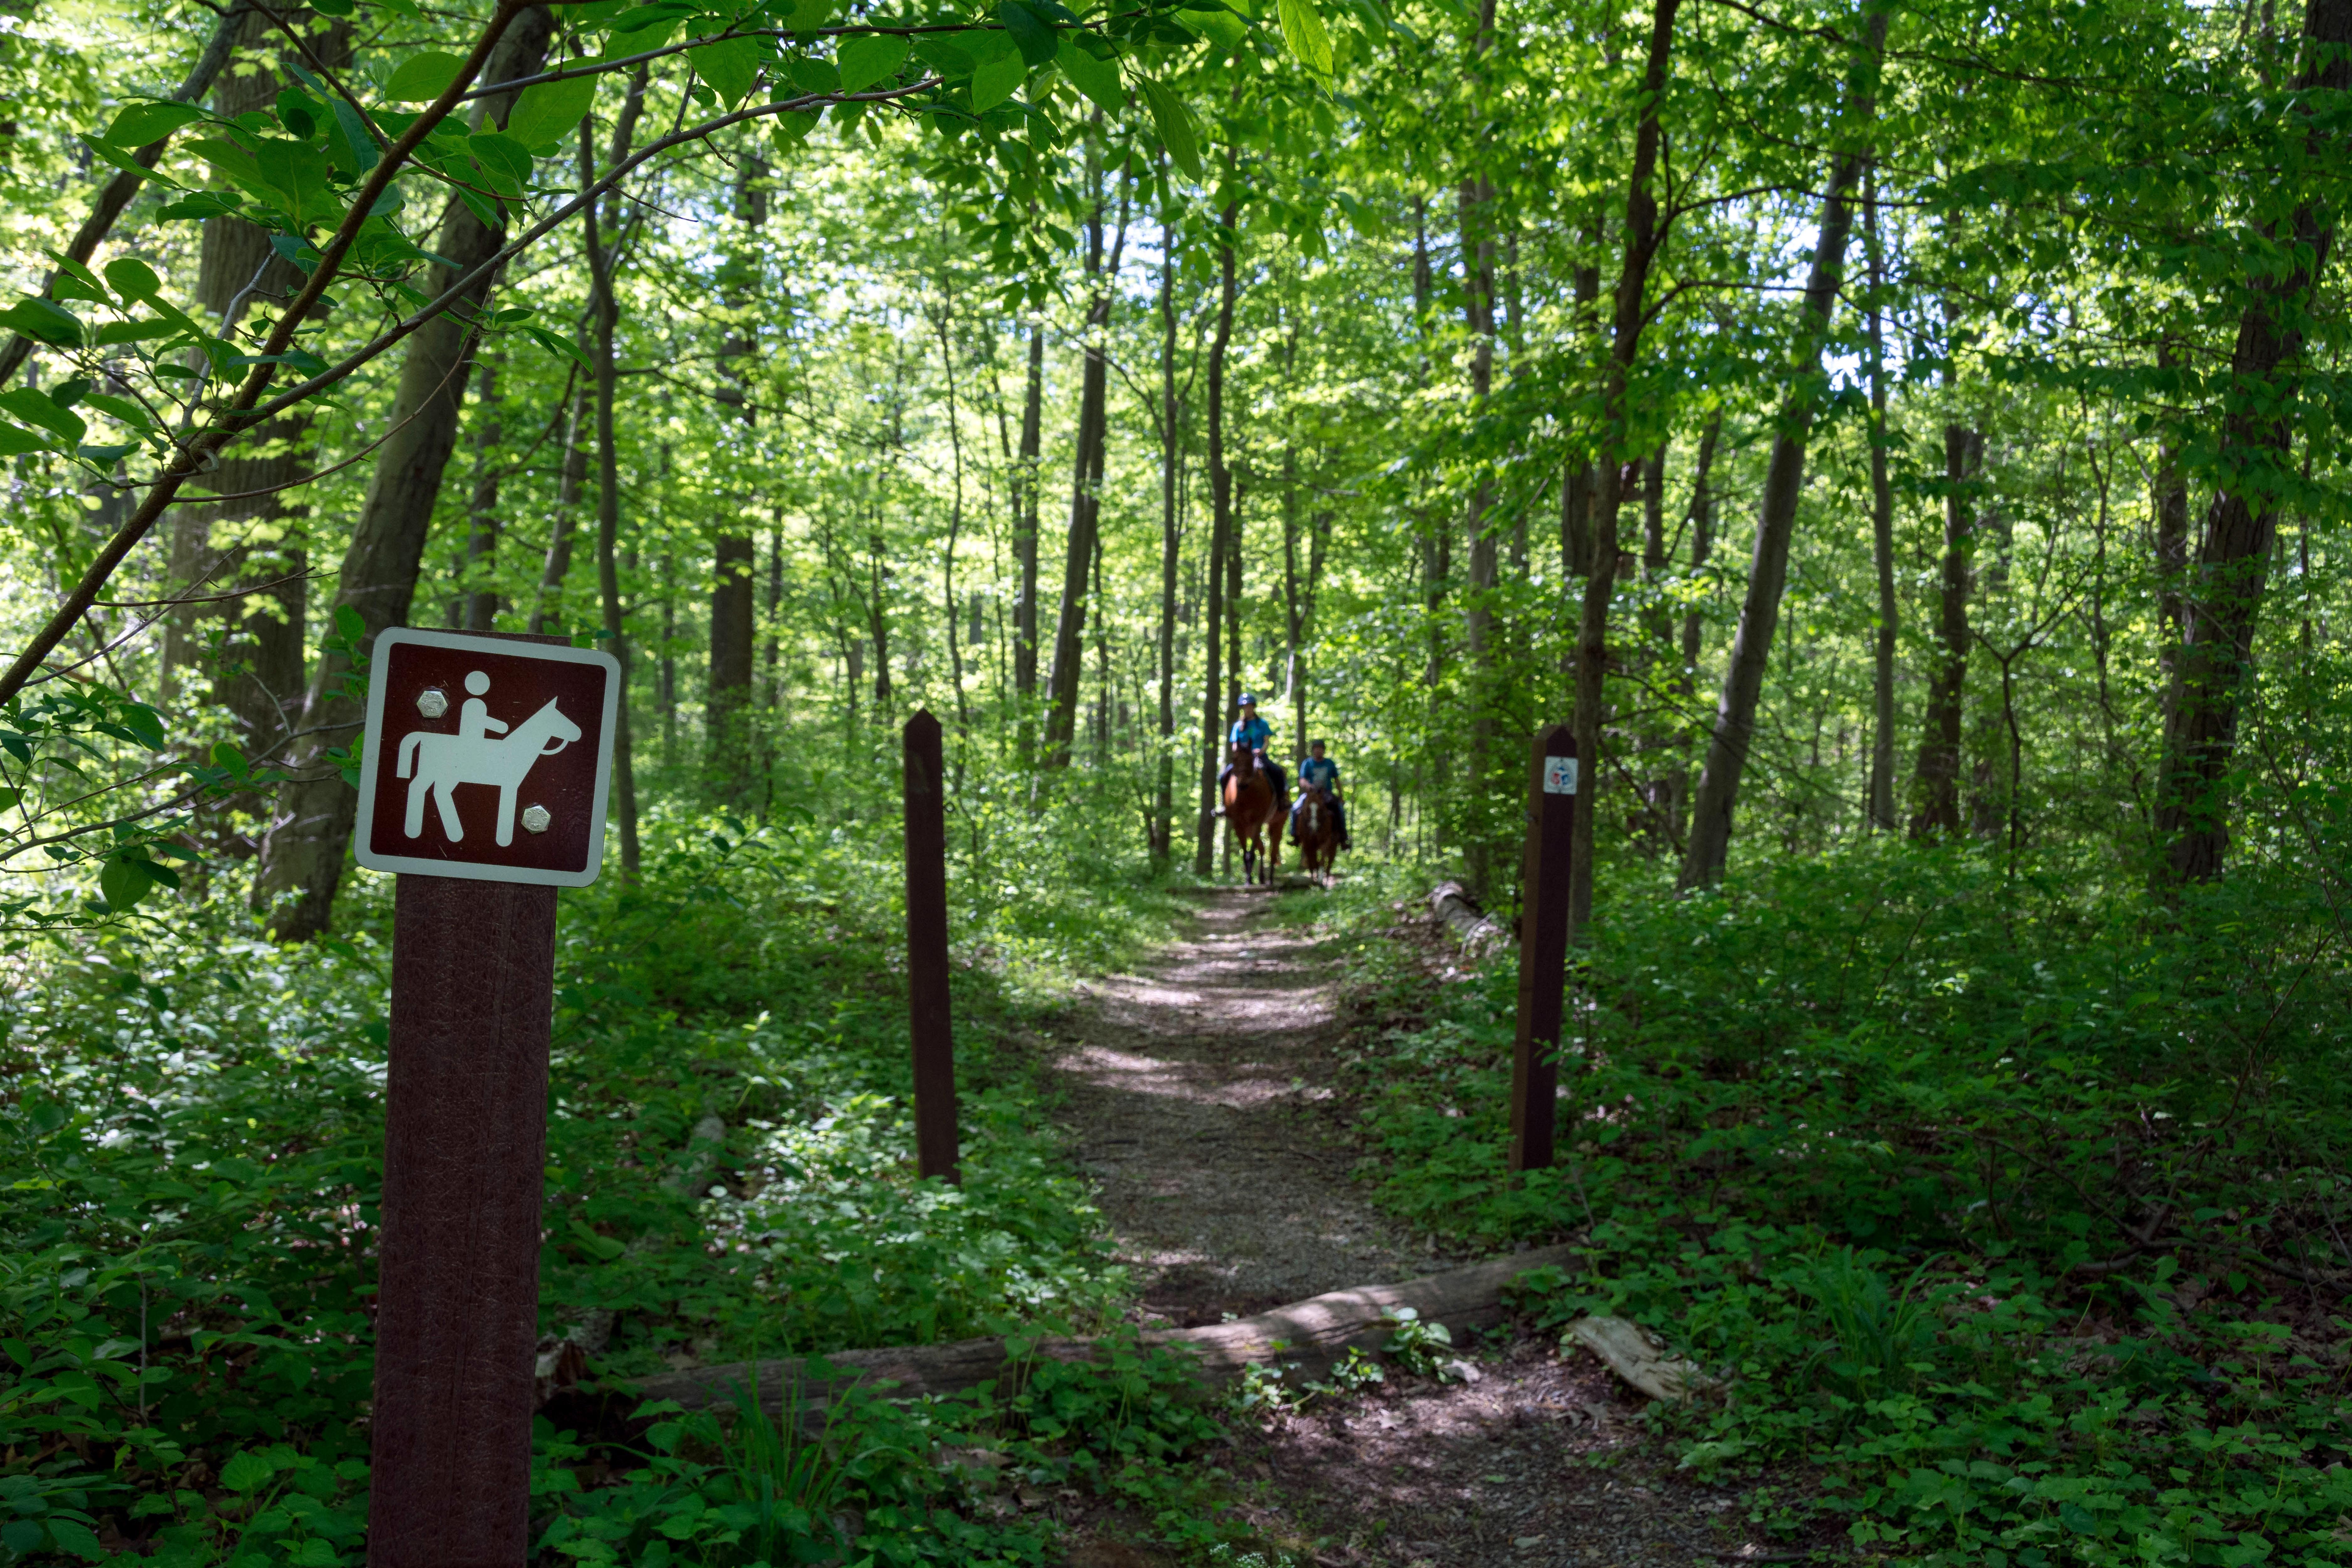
(1323, 773)
(1254, 733)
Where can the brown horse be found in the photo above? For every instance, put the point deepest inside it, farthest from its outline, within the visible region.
(1249, 810)
(1318, 832)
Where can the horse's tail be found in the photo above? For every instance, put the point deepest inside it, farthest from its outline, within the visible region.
(408, 745)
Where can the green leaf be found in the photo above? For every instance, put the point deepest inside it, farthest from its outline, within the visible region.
(246, 1472)
(16, 443)
(1221, 27)
(201, 204)
(337, 8)
(1032, 34)
(813, 76)
(789, 130)
(1302, 29)
(136, 124)
(502, 154)
(46, 323)
(72, 268)
(124, 161)
(144, 722)
(561, 348)
(808, 16)
(943, 57)
(424, 76)
(731, 66)
(122, 408)
(299, 172)
(359, 147)
(603, 1246)
(36, 407)
(235, 163)
(132, 279)
(9, 798)
(997, 80)
(122, 883)
(866, 60)
(1174, 123)
(547, 113)
(1098, 79)
(135, 332)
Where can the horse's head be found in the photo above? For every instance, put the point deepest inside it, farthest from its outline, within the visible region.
(560, 731)
(1241, 756)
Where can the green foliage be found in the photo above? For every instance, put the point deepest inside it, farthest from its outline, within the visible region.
(1987, 1199)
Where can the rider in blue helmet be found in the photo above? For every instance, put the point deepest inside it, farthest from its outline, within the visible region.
(1323, 773)
(1254, 733)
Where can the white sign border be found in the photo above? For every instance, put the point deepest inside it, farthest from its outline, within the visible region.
(509, 647)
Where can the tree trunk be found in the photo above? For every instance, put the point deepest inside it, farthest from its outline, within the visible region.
(1776, 513)
(1086, 485)
(481, 598)
(1686, 681)
(1025, 546)
(604, 312)
(572, 479)
(1220, 506)
(1936, 777)
(1481, 855)
(258, 539)
(1599, 584)
(1163, 800)
(734, 608)
(302, 859)
(1882, 532)
(2171, 540)
(2223, 604)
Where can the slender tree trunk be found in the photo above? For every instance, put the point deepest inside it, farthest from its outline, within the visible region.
(302, 858)
(1579, 482)
(1163, 802)
(1220, 506)
(1085, 487)
(1481, 855)
(1882, 531)
(1686, 681)
(604, 312)
(955, 519)
(1625, 337)
(1026, 485)
(572, 479)
(734, 609)
(481, 598)
(1936, 777)
(2171, 542)
(1776, 514)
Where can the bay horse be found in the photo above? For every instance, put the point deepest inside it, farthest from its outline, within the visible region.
(1319, 832)
(1249, 809)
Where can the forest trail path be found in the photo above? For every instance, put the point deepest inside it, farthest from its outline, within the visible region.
(1201, 1091)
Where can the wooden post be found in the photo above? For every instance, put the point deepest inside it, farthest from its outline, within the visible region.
(1543, 945)
(465, 1155)
(927, 950)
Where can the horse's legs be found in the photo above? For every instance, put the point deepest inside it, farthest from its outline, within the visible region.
(444, 795)
(506, 815)
(413, 824)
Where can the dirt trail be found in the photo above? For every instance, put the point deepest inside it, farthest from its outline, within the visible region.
(1203, 1094)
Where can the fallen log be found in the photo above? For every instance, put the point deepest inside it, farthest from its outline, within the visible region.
(1312, 1334)
(1471, 925)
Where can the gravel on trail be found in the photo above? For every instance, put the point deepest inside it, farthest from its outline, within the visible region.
(1202, 1096)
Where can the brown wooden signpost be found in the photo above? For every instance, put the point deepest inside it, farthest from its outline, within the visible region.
(1543, 946)
(483, 782)
(936, 1153)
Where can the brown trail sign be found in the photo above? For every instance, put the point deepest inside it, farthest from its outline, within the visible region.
(483, 781)
(1543, 946)
(929, 1024)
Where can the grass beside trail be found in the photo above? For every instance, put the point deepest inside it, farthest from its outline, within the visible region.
(2013, 1213)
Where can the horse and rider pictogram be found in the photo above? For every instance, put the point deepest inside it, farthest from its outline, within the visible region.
(529, 748)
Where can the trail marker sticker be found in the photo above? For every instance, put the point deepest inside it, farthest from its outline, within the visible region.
(1559, 776)
(487, 758)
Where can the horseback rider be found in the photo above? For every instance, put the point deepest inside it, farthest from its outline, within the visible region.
(1254, 733)
(1321, 773)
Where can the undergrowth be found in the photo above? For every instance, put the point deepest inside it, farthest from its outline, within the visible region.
(191, 1165)
(2011, 1215)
